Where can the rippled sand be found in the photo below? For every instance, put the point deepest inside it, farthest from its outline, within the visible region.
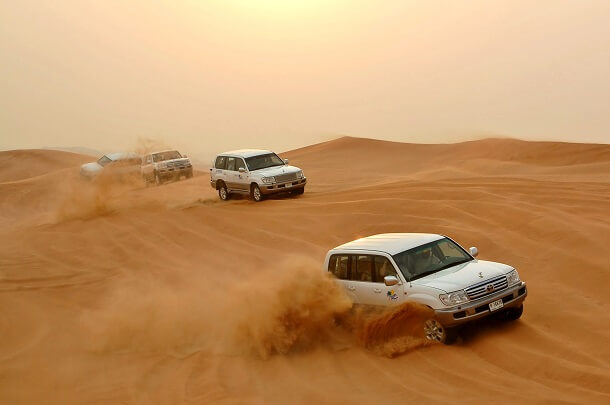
(111, 292)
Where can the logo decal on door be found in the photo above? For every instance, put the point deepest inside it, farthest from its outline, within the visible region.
(392, 296)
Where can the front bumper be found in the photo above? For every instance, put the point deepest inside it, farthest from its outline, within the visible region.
(283, 187)
(512, 297)
(175, 172)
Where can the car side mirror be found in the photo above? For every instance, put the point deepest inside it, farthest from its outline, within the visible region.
(242, 170)
(285, 161)
(474, 252)
(184, 156)
(390, 280)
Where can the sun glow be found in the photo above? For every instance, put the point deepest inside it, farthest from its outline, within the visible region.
(284, 8)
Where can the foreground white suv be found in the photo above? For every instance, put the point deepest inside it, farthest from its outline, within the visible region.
(255, 172)
(429, 269)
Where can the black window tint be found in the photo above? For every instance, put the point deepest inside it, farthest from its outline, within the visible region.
(231, 163)
(239, 164)
(338, 266)
(221, 162)
(362, 268)
(382, 268)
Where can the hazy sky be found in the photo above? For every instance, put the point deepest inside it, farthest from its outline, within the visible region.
(211, 75)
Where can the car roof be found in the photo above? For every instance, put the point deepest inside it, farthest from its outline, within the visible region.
(246, 153)
(121, 155)
(163, 151)
(391, 243)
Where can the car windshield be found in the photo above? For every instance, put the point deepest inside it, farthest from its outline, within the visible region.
(161, 156)
(263, 161)
(430, 258)
(104, 160)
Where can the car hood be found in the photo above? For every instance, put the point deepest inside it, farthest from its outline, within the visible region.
(276, 170)
(463, 275)
(179, 160)
(91, 168)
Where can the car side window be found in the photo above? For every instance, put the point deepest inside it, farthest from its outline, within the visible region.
(240, 164)
(337, 265)
(382, 268)
(221, 162)
(231, 163)
(362, 268)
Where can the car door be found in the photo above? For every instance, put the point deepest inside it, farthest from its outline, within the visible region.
(368, 272)
(361, 275)
(219, 169)
(383, 294)
(339, 265)
(242, 180)
(231, 173)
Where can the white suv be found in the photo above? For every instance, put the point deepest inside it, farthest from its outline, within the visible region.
(118, 164)
(429, 269)
(255, 172)
(159, 167)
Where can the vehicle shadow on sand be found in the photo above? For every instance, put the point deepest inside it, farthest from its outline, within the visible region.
(486, 328)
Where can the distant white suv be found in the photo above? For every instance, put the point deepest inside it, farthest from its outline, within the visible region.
(429, 269)
(255, 172)
(119, 164)
(158, 167)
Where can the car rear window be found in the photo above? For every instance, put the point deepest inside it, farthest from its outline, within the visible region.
(337, 265)
(221, 162)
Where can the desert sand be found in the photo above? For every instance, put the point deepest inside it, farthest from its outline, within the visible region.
(120, 294)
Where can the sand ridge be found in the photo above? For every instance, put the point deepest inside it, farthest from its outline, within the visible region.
(167, 295)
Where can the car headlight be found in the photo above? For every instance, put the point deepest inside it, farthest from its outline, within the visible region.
(513, 277)
(268, 180)
(454, 298)
(300, 174)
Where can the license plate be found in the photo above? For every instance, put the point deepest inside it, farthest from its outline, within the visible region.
(497, 304)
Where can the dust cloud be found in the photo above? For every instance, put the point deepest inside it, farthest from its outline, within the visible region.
(274, 312)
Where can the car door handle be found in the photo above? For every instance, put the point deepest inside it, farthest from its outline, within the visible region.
(351, 288)
(377, 290)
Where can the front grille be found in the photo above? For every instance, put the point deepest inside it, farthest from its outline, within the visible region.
(283, 178)
(481, 289)
(178, 165)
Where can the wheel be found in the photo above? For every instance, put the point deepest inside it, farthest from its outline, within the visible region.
(512, 314)
(256, 193)
(158, 180)
(223, 193)
(189, 174)
(433, 330)
(299, 191)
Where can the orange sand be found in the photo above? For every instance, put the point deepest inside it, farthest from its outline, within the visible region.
(116, 293)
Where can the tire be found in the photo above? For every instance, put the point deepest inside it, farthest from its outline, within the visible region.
(512, 314)
(223, 193)
(436, 332)
(299, 191)
(189, 174)
(256, 193)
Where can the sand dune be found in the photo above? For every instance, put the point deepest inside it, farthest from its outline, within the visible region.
(117, 293)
